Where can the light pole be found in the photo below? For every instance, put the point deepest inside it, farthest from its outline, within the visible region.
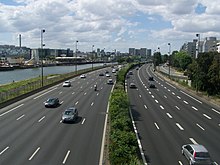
(197, 66)
(92, 56)
(76, 58)
(42, 45)
(169, 56)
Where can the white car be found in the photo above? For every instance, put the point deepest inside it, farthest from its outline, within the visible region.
(110, 81)
(83, 76)
(107, 75)
(67, 84)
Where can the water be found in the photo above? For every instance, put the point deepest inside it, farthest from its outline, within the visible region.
(23, 74)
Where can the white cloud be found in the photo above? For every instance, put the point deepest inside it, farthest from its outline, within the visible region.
(109, 22)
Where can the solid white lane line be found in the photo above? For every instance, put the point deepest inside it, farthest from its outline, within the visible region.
(11, 110)
(83, 121)
(185, 102)
(45, 93)
(216, 111)
(194, 108)
(76, 103)
(178, 97)
(193, 141)
(180, 162)
(35, 152)
(156, 125)
(177, 107)
(161, 107)
(180, 127)
(145, 106)
(208, 117)
(191, 97)
(20, 117)
(41, 119)
(67, 155)
(92, 103)
(200, 127)
(171, 85)
(4, 150)
(169, 115)
(156, 101)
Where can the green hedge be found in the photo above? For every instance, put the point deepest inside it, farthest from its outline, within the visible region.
(123, 147)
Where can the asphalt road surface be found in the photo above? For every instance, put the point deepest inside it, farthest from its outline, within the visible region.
(34, 135)
(167, 117)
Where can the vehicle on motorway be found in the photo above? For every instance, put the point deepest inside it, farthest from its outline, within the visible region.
(114, 70)
(151, 78)
(130, 73)
(106, 71)
(196, 154)
(67, 84)
(101, 74)
(110, 81)
(51, 102)
(151, 85)
(132, 85)
(70, 115)
(107, 75)
(82, 76)
(95, 87)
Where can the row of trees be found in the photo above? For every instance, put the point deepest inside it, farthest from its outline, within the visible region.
(203, 71)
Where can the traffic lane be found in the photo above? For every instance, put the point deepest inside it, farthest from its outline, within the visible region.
(157, 136)
(194, 131)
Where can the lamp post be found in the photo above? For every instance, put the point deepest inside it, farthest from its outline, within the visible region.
(197, 66)
(76, 58)
(169, 56)
(92, 56)
(42, 45)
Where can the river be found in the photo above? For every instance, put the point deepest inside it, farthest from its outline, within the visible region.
(23, 74)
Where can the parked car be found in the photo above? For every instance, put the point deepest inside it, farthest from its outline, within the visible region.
(70, 115)
(132, 85)
(196, 154)
(52, 102)
(82, 76)
(67, 84)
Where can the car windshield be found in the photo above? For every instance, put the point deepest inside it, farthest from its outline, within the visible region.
(68, 112)
(50, 100)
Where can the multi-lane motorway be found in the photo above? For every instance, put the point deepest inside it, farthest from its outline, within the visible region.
(32, 134)
(167, 117)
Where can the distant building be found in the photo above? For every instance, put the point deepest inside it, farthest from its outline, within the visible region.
(132, 51)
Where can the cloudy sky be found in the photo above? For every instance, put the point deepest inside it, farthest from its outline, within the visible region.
(109, 24)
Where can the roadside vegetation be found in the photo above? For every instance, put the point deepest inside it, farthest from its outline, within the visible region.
(204, 71)
(123, 147)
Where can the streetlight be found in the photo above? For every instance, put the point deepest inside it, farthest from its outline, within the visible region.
(169, 56)
(76, 58)
(42, 45)
(92, 56)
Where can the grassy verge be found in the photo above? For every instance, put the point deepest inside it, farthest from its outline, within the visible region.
(123, 147)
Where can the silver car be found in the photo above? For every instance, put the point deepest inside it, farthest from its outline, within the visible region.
(70, 115)
(196, 154)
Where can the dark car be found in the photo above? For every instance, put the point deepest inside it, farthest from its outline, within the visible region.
(151, 78)
(70, 115)
(152, 85)
(101, 74)
(52, 102)
(196, 154)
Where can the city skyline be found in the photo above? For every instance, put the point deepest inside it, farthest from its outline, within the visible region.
(114, 25)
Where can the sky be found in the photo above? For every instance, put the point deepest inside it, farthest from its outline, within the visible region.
(108, 24)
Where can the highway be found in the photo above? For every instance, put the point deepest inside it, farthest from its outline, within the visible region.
(167, 117)
(34, 135)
